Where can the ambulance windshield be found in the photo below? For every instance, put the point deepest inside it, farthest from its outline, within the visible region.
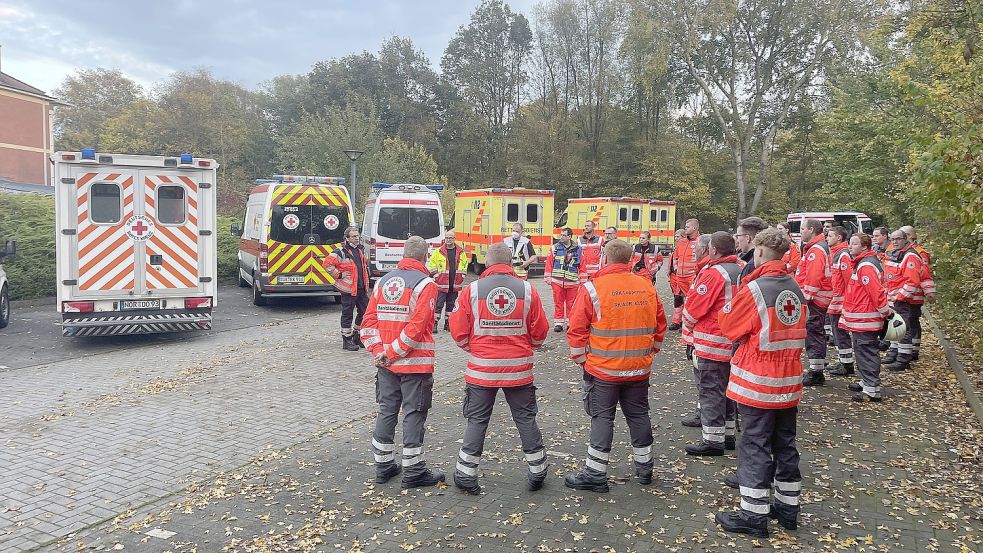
(310, 225)
(399, 223)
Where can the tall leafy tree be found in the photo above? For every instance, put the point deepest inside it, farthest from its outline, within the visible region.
(92, 97)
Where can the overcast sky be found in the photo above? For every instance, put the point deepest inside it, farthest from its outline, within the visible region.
(241, 40)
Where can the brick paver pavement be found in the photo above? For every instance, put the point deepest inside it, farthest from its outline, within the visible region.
(261, 444)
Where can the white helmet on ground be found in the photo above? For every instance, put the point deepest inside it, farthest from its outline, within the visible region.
(895, 328)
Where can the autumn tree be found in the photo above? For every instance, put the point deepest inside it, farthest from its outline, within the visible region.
(92, 96)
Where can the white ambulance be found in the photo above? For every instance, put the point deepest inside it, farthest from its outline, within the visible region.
(135, 242)
(852, 221)
(8, 249)
(393, 213)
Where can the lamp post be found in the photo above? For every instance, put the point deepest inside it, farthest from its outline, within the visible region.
(353, 155)
(580, 188)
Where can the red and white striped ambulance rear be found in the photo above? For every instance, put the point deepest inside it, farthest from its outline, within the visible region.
(135, 241)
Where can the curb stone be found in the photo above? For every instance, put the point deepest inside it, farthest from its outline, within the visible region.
(972, 395)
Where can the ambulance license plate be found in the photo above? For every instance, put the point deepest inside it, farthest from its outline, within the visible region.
(139, 304)
(290, 279)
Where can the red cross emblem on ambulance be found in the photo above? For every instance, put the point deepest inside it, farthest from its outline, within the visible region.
(139, 228)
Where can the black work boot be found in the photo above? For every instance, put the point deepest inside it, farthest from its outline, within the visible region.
(883, 345)
(466, 484)
(730, 443)
(890, 357)
(705, 449)
(348, 344)
(381, 477)
(447, 323)
(692, 422)
(357, 340)
(675, 326)
(557, 328)
(583, 481)
(814, 378)
(914, 355)
(856, 387)
(535, 481)
(425, 478)
(860, 396)
(731, 481)
(902, 363)
(841, 369)
(786, 515)
(644, 476)
(436, 325)
(734, 522)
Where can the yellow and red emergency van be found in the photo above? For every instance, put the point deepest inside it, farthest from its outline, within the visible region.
(135, 242)
(629, 215)
(485, 216)
(291, 223)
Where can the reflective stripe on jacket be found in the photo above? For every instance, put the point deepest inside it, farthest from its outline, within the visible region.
(814, 275)
(865, 302)
(340, 264)
(646, 261)
(768, 320)
(399, 318)
(842, 267)
(438, 265)
(617, 324)
(500, 320)
(713, 289)
(590, 256)
(563, 265)
(908, 277)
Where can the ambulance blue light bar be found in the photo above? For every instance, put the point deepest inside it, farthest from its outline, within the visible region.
(186, 158)
(303, 179)
(381, 185)
(88, 153)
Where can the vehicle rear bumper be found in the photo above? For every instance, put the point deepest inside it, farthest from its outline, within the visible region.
(299, 290)
(117, 323)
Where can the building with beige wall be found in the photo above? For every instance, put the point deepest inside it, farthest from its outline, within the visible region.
(26, 141)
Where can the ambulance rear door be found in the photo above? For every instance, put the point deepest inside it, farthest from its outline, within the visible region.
(177, 251)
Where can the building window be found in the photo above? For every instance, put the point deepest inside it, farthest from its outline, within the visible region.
(104, 203)
(172, 205)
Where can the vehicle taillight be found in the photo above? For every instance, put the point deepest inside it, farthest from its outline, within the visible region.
(204, 163)
(264, 254)
(68, 157)
(197, 303)
(78, 307)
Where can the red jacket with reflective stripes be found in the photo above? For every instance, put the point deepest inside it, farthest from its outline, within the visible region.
(617, 324)
(682, 266)
(792, 257)
(714, 287)
(590, 256)
(341, 265)
(768, 320)
(865, 302)
(842, 267)
(814, 275)
(908, 277)
(500, 320)
(399, 318)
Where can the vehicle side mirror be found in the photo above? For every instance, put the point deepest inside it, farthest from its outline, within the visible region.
(9, 248)
(236, 231)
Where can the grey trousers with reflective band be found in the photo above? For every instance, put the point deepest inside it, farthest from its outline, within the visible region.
(478, 404)
(601, 399)
(909, 313)
(767, 455)
(816, 338)
(844, 345)
(445, 298)
(718, 414)
(865, 347)
(414, 394)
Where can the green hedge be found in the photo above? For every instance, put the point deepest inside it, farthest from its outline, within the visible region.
(30, 220)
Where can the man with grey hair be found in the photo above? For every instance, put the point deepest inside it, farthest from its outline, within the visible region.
(500, 321)
(398, 331)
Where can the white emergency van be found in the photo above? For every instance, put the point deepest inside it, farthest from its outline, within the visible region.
(135, 242)
(393, 213)
(292, 223)
(852, 221)
(9, 248)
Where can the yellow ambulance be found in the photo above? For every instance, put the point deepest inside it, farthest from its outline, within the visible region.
(629, 215)
(485, 216)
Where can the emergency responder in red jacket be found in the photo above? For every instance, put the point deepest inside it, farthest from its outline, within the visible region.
(398, 331)
(916, 337)
(814, 275)
(686, 332)
(563, 275)
(590, 252)
(647, 260)
(793, 255)
(682, 269)
(348, 265)
(767, 318)
(617, 325)
(500, 321)
(714, 287)
(842, 266)
(864, 311)
(909, 285)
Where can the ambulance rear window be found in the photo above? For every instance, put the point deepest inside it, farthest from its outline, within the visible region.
(623, 214)
(512, 213)
(104, 204)
(171, 205)
(532, 213)
(399, 223)
(636, 214)
(795, 226)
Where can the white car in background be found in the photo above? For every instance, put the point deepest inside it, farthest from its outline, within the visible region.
(8, 249)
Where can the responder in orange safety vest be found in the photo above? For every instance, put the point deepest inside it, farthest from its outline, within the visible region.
(682, 269)
(767, 318)
(616, 327)
(398, 332)
(499, 321)
(348, 266)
